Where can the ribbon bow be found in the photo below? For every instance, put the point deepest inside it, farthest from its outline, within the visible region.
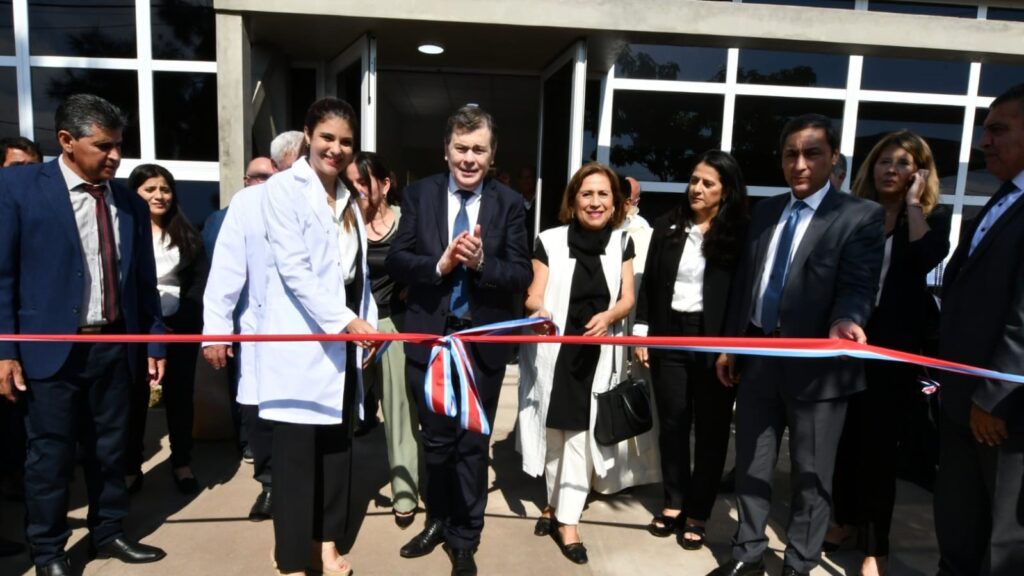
(448, 350)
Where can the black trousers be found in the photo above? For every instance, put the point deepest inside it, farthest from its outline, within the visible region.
(456, 460)
(83, 404)
(763, 413)
(687, 394)
(865, 477)
(178, 391)
(979, 504)
(313, 480)
(260, 434)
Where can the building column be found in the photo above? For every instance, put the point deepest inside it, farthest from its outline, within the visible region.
(234, 109)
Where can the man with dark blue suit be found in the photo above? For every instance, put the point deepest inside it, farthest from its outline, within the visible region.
(76, 258)
(461, 248)
(809, 269)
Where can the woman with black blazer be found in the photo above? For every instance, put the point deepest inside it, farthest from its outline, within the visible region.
(181, 269)
(685, 290)
(899, 173)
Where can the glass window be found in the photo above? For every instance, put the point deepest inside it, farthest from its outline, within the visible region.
(940, 126)
(51, 86)
(591, 119)
(792, 68)
(8, 104)
(98, 28)
(183, 30)
(756, 128)
(998, 78)
(907, 75)
(655, 135)
(1005, 14)
(185, 115)
(980, 182)
(6, 28)
(924, 8)
(847, 4)
(653, 62)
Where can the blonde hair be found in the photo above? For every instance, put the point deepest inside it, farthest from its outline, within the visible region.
(917, 147)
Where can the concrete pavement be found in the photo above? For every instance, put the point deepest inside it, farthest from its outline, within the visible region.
(210, 533)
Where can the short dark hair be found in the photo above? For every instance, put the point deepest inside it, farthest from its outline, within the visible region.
(80, 112)
(1015, 93)
(330, 107)
(468, 119)
(805, 121)
(19, 143)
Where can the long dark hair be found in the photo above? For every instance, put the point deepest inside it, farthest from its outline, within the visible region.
(175, 225)
(371, 166)
(729, 227)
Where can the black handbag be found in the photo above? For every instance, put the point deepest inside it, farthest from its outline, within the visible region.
(623, 411)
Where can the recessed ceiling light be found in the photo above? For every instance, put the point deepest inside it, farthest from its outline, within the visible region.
(432, 49)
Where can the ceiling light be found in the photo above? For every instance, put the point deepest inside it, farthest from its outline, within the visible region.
(432, 49)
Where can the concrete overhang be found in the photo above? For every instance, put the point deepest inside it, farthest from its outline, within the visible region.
(493, 31)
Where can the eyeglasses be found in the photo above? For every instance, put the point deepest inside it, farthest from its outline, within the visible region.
(258, 177)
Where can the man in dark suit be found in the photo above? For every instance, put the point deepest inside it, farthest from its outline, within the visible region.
(76, 258)
(810, 270)
(979, 499)
(461, 248)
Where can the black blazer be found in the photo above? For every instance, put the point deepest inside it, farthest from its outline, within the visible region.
(982, 319)
(833, 276)
(189, 317)
(654, 302)
(423, 236)
(900, 320)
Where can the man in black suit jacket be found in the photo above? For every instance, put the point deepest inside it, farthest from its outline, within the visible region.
(979, 502)
(834, 244)
(461, 249)
(76, 257)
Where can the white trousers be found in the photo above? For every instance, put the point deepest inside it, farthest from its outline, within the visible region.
(568, 470)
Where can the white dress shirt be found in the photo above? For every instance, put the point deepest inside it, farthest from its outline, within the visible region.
(84, 207)
(804, 221)
(455, 203)
(688, 289)
(994, 213)
(348, 240)
(168, 281)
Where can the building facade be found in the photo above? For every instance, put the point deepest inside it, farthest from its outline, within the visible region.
(644, 85)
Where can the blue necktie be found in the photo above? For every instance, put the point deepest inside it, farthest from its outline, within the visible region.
(777, 279)
(459, 302)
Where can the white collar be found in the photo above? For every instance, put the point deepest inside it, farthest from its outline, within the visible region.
(814, 200)
(453, 188)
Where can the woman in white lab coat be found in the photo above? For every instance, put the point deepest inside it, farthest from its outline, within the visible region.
(317, 284)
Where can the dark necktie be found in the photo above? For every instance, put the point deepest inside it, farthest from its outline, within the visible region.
(108, 250)
(459, 303)
(777, 279)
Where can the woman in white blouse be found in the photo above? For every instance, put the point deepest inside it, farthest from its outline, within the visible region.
(317, 283)
(181, 269)
(685, 292)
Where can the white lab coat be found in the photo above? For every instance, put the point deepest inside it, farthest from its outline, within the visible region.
(303, 382)
(242, 232)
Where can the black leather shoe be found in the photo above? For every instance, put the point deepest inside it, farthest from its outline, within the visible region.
(790, 571)
(127, 551)
(261, 508)
(403, 521)
(56, 568)
(737, 568)
(463, 563)
(545, 526)
(188, 485)
(424, 542)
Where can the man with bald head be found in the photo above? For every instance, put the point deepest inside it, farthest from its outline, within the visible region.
(260, 170)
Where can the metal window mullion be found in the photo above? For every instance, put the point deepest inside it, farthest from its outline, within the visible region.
(604, 127)
(850, 114)
(967, 135)
(144, 64)
(26, 124)
(579, 98)
(732, 63)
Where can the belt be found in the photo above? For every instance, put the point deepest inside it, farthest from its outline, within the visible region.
(111, 328)
(453, 324)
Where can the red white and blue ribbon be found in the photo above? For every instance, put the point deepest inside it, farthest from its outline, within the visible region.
(448, 354)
